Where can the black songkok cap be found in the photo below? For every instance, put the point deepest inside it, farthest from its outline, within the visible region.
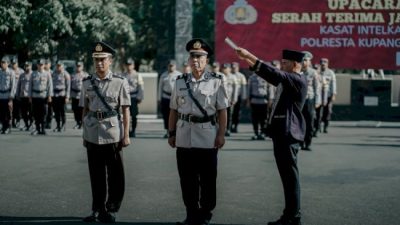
(292, 55)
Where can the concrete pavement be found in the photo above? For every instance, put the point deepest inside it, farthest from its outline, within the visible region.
(352, 177)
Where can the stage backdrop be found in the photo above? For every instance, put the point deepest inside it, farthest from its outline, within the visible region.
(351, 33)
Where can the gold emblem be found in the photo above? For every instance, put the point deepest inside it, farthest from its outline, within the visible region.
(99, 48)
(197, 45)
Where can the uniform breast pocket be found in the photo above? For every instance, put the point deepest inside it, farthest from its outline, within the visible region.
(111, 97)
(207, 96)
(182, 98)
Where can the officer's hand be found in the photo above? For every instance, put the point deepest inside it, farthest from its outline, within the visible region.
(242, 53)
(10, 104)
(219, 141)
(317, 106)
(49, 100)
(66, 100)
(333, 98)
(172, 141)
(139, 101)
(126, 141)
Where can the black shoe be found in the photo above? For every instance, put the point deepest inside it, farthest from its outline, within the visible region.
(186, 222)
(91, 218)
(260, 137)
(76, 126)
(254, 137)
(286, 221)
(166, 135)
(47, 126)
(227, 134)
(325, 131)
(6, 131)
(204, 222)
(106, 217)
(132, 134)
(306, 148)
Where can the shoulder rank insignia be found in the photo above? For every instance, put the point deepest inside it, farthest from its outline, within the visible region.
(118, 76)
(87, 78)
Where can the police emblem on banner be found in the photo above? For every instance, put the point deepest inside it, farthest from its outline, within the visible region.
(241, 12)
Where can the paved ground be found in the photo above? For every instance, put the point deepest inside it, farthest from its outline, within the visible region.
(352, 177)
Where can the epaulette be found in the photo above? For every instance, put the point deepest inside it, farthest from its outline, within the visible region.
(118, 76)
(87, 78)
(182, 76)
(216, 75)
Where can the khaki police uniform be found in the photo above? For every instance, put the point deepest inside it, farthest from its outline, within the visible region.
(23, 94)
(261, 93)
(196, 133)
(40, 90)
(16, 113)
(76, 87)
(7, 93)
(165, 86)
(242, 96)
(136, 89)
(103, 132)
(328, 89)
(232, 89)
(61, 90)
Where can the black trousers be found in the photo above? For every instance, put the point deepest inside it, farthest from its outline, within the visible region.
(229, 118)
(26, 111)
(198, 175)
(236, 113)
(59, 109)
(107, 176)
(327, 112)
(285, 151)
(165, 111)
(39, 111)
(259, 117)
(49, 113)
(77, 110)
(134, 110)
(309, 115)
(16, 113)
(5, 114)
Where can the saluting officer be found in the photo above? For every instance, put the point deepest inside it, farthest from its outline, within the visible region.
(16, 113)
(197, 125)
(231, 85)
(62, 88)
(136, 87)
(313, 99)
(242, 96)
(7, 94)
(104, 95)
(287, 125)
(260, 98)
(76, 88)
(40, 94)
(23, 95)
(165, 86)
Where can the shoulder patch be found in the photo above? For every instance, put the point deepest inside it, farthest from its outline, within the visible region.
(216, 75)
(87, 78)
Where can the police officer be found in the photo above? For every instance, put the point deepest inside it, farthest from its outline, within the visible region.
(7, 94)
(186, 68)
(76, 87)
(313, 99)
(23, 95)
(104, 94)
(287, 125)
(165, 86)
(49, 108)
(215, 68)
(40, 94)
(260, 98)
(231, 85)
(16, 113)
(197, 100)
(62, 88)
(136, 87)
(242, 96)
(328, 79)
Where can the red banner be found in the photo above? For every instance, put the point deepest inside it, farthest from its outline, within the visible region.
(355, 34)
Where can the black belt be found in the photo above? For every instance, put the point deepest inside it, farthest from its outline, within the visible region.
(259, 97)
(58, 90)
(5, 91)
(134, 92)
(103, 115)
(196, 119)
(37, 91)
(167, 93)
(75, 90)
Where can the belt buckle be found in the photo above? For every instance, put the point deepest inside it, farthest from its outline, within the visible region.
(190, 118)
(99, 115)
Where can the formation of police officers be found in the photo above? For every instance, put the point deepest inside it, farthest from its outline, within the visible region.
(200, 108)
